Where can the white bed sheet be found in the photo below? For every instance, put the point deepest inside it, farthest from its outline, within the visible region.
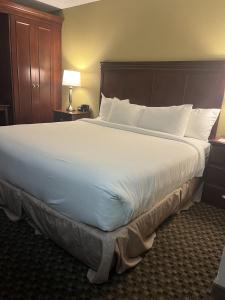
(96, 172)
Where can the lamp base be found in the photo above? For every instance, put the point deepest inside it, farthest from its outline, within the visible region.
(70, 108)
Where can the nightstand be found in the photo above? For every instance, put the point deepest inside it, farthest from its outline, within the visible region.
(214, 186)
(64, 115)
(5, 110)
(218, 289)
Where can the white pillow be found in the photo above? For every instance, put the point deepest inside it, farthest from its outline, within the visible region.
(105, 107)
(125, 113)
(172, 119)
(201, 122)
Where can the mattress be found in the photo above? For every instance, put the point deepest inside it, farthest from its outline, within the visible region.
(95, 172)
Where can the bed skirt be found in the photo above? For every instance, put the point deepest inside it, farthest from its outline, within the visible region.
(101, 251)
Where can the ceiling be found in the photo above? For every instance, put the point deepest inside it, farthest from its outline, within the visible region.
(37, 5)
(52, 5)
(65, 3)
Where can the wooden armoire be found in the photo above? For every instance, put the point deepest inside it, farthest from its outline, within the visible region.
(30, 63)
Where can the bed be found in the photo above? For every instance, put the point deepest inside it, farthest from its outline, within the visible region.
(100, 202)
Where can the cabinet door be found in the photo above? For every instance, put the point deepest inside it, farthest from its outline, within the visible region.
(36, 60)
(45, 82)
(23, 55)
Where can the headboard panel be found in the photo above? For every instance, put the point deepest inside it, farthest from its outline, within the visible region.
(201, 83)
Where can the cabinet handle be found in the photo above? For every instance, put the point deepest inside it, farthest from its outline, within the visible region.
(33, 85)
(37, 85)
(223, 196)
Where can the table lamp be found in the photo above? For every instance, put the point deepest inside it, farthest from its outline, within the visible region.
(71, 78)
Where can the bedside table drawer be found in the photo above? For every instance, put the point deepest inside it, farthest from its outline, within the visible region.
(214, 196)
(217, 156)
(84, 115)
(216, 176)
(61, 117)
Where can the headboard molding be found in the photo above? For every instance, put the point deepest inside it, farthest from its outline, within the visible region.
(165, 83)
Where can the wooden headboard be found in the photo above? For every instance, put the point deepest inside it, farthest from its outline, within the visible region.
(201, 83)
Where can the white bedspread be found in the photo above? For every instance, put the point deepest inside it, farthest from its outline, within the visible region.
(95, 172)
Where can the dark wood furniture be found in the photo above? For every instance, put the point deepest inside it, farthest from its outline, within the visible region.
(5, 110)
(214, 186)
(218, 289)
(218, 292)
(63, 115)
(200, 83)
(30, 62)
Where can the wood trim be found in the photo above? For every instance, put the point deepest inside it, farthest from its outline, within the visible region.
(205, 65)
(5, 62)
(14, 74)
(57, 67)
(10, 7)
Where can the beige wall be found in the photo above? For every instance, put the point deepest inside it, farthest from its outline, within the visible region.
(139, 30)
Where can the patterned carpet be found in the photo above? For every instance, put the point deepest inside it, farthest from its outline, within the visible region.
(181, 265)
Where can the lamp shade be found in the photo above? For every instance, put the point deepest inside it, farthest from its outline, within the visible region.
(71, 78)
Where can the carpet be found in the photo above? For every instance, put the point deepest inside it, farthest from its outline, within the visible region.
(181, 265)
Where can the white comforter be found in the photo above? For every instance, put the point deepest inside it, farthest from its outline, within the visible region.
(95, 172)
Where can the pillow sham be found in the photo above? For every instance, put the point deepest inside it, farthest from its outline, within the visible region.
(125, 113)
(105, 107)
(172, 119)
(201, 122)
